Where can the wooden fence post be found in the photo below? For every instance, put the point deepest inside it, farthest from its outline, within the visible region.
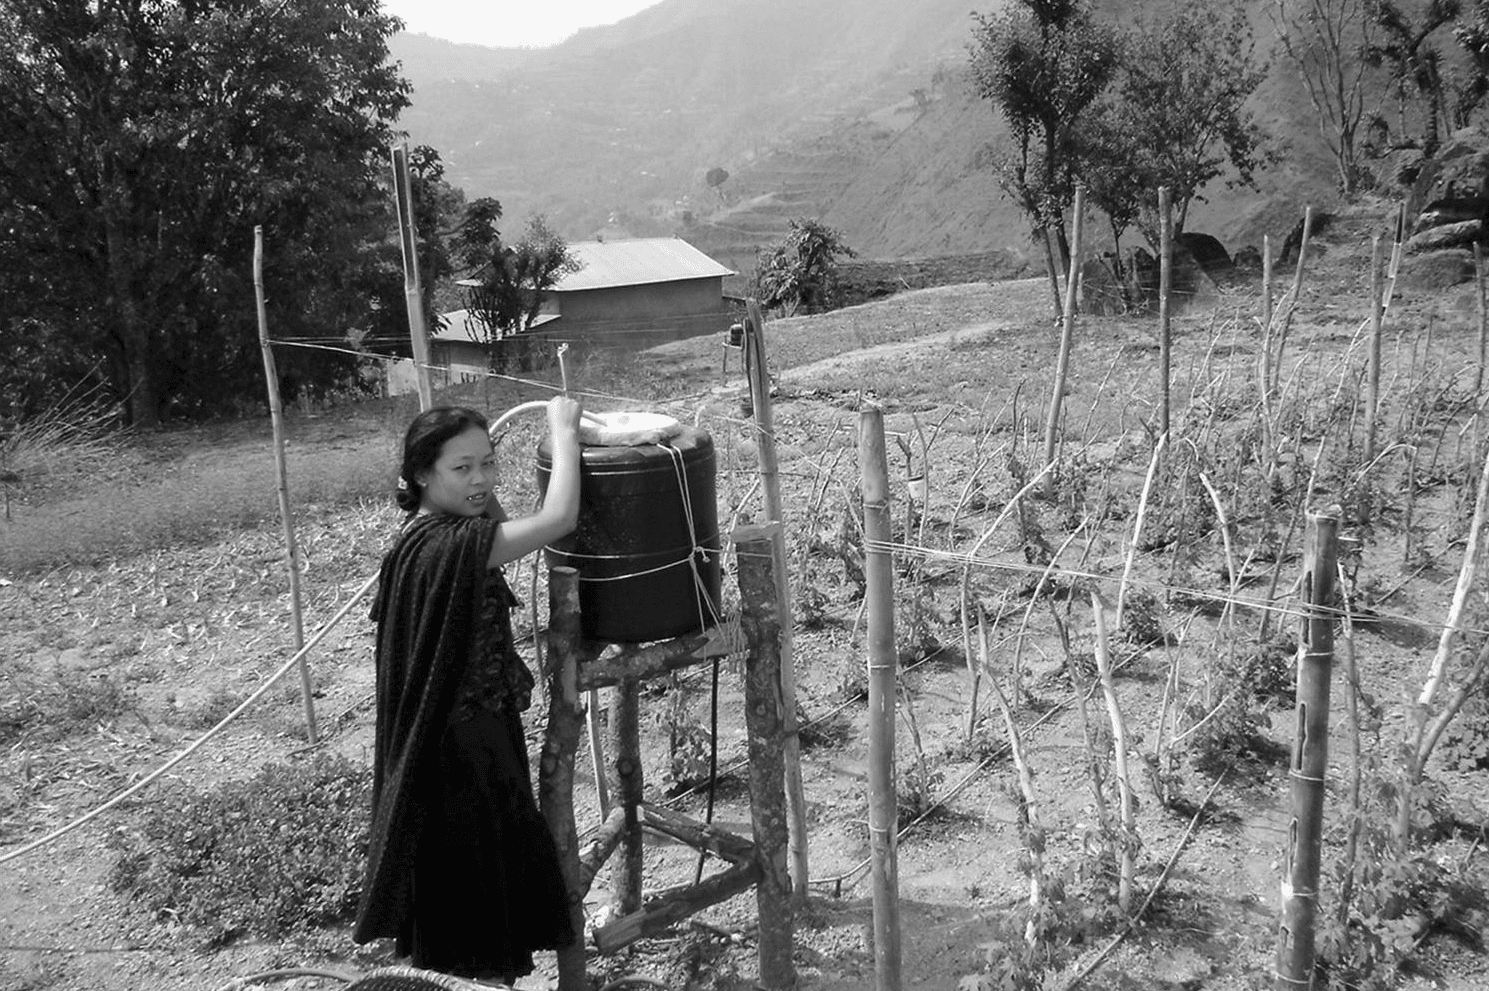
(770, 483)
(1310, 757)
(765, 722)
(413, 292)
(556, 766)
(292, 549)
(625, 730)
(883, 669)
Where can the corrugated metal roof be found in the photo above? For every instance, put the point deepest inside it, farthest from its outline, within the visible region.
(637, 261)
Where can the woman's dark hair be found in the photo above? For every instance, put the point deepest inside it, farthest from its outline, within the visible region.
(422, 443)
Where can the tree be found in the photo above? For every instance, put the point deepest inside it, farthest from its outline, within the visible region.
(510, 279)
(140, 143)
(1044, 63)
(1415, 63)
(800, 274)
(1473, 37)
(1176, 116)
(1325, 41)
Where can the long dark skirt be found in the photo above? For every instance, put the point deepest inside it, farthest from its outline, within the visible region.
(487, 889)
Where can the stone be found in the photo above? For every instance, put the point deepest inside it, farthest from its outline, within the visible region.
(1435, 269)
(1205, 249)
(1463, 233)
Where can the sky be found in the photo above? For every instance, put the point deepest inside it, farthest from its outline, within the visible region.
(509, 23)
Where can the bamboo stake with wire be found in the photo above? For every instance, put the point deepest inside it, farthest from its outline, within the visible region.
(291, 548)
(1310, 757)
(883, 669)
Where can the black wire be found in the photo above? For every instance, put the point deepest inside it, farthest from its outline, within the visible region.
(713, 762)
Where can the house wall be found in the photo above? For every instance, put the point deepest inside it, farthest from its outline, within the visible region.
(638, 317)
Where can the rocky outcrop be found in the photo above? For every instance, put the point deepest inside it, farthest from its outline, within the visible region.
(1449, 212)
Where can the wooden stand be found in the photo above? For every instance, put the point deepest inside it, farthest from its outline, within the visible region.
(574, 667)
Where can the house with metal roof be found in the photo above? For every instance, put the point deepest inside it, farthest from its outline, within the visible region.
(628, 294)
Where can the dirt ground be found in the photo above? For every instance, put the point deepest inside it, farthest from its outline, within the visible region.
(186, 627)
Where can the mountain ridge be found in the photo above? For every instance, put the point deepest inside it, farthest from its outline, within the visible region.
(859, 112)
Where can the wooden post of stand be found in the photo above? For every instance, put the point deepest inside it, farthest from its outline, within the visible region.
(413, 292)
(556, 767)
(1372, 381)
(883, 668)
(292, 549)
(1067, 337)
(1310, 758)
(1165, 289)
(770, 481)
(625, 729)
(765, 722)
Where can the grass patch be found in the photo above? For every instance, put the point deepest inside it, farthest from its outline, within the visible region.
(278, 855)
(49, 706)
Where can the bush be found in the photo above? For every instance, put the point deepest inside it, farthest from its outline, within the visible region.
(800, 274)
(275, 856)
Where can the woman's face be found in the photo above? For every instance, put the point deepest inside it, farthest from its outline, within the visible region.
(461, 478)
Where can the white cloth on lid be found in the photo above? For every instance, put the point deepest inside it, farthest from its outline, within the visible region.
(622, 429)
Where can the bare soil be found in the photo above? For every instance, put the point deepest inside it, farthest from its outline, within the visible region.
(966, 371)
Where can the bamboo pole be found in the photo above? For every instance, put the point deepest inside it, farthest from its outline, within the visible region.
(1067, 335)
(1165, 287)
(1372, 387)
(764, 722)
(413, 292)
(770, 483)
(1310, 758)
(281, 474)
(556, 766)
(883, 667)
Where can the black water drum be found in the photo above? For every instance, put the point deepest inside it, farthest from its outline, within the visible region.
(647, 544)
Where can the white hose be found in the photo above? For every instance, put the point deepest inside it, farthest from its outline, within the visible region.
(537, 404)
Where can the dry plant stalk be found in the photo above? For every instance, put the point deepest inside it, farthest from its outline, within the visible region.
(1033, 841)
(1137, 526)
(1127, 858)
(1292, 304)
(1067, 335)
(966, 592)
(1429, 728)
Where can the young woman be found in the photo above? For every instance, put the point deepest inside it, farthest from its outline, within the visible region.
(461, 867)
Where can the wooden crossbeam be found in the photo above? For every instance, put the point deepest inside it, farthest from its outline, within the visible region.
(721, 843)
(670, 907)
(610, 664)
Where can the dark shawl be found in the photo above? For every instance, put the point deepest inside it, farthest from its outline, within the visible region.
(427, 609)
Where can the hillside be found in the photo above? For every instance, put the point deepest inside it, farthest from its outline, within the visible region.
(145, 599)
(855, 111)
